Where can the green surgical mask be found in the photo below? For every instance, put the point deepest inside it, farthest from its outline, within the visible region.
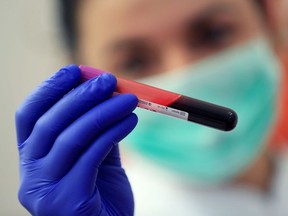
(244, 78)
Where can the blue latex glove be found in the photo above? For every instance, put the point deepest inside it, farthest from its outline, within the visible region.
(68, 147)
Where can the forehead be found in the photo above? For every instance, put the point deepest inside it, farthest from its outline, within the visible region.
(140, 12)
(105, 21)
(136, 15)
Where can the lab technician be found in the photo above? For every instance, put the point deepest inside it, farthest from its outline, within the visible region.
(221, 51)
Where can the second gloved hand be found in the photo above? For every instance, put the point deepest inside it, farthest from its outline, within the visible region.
(68, 145)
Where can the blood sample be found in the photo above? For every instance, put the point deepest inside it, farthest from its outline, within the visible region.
(170, 103)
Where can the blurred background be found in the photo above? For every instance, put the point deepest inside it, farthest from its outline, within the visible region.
(31, 49)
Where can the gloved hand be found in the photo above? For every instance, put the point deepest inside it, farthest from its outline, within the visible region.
(68, 145)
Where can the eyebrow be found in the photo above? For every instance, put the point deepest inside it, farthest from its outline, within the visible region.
(205, 14)
(127, 44)
(215, 9)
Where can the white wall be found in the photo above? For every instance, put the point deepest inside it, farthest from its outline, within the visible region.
(30, 50)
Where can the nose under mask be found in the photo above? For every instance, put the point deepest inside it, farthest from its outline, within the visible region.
(244, 78)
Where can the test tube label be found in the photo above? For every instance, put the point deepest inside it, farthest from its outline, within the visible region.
(163, 109)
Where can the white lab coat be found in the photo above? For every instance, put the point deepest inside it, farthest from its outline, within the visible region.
(157, 192)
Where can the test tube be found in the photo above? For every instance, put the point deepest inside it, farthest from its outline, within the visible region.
(170, 103)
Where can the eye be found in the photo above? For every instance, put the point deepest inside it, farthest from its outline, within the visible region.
(216, 35)
(138, 64)
(211, 35)
(135, 58)
(135, 63)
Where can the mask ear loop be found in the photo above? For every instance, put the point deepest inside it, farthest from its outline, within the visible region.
(279, 136)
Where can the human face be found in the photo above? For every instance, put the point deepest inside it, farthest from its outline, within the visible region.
(138, 38)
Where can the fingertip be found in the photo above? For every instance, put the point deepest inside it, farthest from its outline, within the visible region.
(72, 67)
(129, 99)
(127, 126)
(108, 77)
(132, 99)
(133, 119)
(68, 75)
(73, 70)
(103, 83)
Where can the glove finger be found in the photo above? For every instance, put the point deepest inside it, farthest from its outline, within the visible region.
(113, 157)
(66, 111)
(42, 98)
(84, 173)
(71, 143)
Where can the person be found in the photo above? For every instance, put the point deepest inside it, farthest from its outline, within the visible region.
(215, 50)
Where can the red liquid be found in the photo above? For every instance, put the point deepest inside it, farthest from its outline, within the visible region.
(142, 91)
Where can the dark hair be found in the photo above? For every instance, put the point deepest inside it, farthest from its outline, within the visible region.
(262, 5)
(68, 10)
